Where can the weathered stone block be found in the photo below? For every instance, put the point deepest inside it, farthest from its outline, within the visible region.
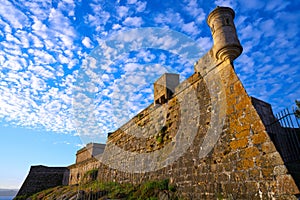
(213, 168)
(275, 158)
(268, 147)
(245, 164)
(286, 197)
(231, 187)
(256, 122)
(252, 187)
(222, 177)
(254, 174)
(238, 144)
(269, 160)
(242, 132)
(249, 152)
(280, 170)
(239, 176)
(268, 188)
(228, 166)
(259, 138)
(267, 173)
(286, 185)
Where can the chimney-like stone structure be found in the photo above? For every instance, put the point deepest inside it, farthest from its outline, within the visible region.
(164, 87)
(226, 43)
(89, 151)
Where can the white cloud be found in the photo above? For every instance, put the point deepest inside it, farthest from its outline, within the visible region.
(80, 145)
(246, 63)
(38, 25)
(169, 18)
(10, 38)
(61, 28)
(276, 5)
(226, 3)
(53, 107)
(38, 8)
(177, 22)
(36, 42)
(37, 84)
(63, 59)
(98, 18)
(194, 10)
(205, 43)
(131, 67)
(105, 77)
(147, 56)
(42, 57)
(13, 63)
(122, 11)
(133, 21)
(251, 5)
(72, 63)
(41, 71)
(23, 37)
(131, 1)
(116, 26)
(68, 6)
(141, 6)
(15, 17)
(190, 28)
(268, 27)
(25, 109)
(87, 42)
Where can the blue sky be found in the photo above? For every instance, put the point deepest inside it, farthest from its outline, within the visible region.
(70, 71)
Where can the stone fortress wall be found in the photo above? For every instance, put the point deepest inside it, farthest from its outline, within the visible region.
(242, 163)
(204, 135)
(43, 177)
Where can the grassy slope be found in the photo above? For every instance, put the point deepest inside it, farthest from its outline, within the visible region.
(149, 190)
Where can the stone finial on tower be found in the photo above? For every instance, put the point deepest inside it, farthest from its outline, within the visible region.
(226, 42)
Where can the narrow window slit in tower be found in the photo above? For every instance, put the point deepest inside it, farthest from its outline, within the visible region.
(227, 21)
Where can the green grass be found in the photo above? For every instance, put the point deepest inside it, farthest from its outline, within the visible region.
(147, 191)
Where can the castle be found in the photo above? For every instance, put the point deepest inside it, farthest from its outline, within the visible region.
(206, 135)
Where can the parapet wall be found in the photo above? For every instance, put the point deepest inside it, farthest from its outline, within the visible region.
(78, 170)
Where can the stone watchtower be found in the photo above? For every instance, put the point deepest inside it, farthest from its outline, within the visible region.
(226, 42)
